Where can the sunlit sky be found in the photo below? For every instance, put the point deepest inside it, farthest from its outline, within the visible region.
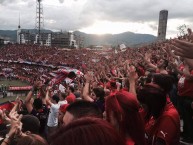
(98, 16)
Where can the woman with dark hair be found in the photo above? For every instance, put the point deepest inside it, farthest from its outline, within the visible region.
(87, 131)
(162, 119)
(122, 111)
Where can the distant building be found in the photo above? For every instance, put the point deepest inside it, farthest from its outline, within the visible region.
(60, 39)
(1, 42)
(163, 17)
(55, 39)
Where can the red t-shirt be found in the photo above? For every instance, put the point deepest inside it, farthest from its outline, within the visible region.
(185, 87)
(166, 127)
(71, 98)
(130, 142)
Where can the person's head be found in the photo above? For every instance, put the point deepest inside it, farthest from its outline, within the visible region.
(81, 109)
(71, 75)
(99, 93)
(31, 139)
(30, 124)
(37, 103)
(122, 111)
(164, 81)
(153, 97)
(62, 96)
(87, 131)
(70, 89)
(163, 63)
(113, 85)
(55, 99)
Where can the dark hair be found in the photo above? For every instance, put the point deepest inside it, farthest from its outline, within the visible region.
(32, 139)
(164, 81)
(71, 89)
(99, 92)
(71, 75)
(30, 123)
(125, 109)
(37, 103)
(56, 98)
(84, 108)
(154, 97)
(165, 63)
(87, 131)
(113, 85)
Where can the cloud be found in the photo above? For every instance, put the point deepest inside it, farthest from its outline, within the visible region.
(143, 10)
(78, 14)
(153, 27)
(61, 1)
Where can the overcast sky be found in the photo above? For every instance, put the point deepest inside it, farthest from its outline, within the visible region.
(98, 16)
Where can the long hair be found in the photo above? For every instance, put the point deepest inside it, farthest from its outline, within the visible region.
(125, 109)
(154, 97)
(87, 131)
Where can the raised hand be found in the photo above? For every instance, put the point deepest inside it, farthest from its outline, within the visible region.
(133, 76)
(183, 49)
(88, 77)
(16, 124)
(4, 117)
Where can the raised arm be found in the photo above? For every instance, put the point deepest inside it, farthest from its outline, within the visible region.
(132, 79)
(86, 95)
(147, 60)
(48, 102)
(28, 103)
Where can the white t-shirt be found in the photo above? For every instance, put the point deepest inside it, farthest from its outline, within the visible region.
(62, 102)
(53, 115)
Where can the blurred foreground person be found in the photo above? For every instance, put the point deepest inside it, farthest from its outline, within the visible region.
(122, 111)
(162, 119)
(80, 109)
(87, 131)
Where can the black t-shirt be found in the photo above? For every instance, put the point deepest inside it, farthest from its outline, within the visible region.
(42, 115)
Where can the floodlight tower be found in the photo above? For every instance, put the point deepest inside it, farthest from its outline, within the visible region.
(39, 19)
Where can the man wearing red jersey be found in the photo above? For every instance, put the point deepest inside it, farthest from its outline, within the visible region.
(185, 92)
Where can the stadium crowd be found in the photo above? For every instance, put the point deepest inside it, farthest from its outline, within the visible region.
(128, 97)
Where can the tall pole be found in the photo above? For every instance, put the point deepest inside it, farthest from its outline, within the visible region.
(39, 19)
(39, 23)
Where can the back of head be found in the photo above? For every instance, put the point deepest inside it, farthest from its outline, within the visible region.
(71, 75)
(99, 92)
(37, 103)
(84, 108)
(164, 81)
(71, 89)
(55, 98)
(113, 85)
(32, 139)
(154, 98)
(30, 123)
(87, 131)
(125, 109)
